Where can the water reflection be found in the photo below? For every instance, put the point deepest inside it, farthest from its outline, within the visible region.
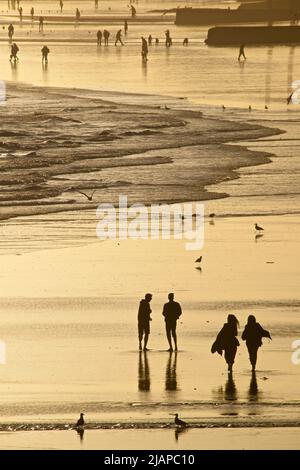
(178, 432)
(143, 372)
(80, 432)
(171, 373)
(253, 392)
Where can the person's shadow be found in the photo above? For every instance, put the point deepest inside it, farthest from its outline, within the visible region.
(143, 372)
(171, 373)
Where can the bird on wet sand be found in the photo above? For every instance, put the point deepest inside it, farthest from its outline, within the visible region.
(258, 228)
(198, 260)
(80, 422)
(212, 215)
(179, 422)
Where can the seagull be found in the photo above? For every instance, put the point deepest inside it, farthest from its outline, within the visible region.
(258, 228)
(179, 422)
(90, 198)
(212, 215)
(198, 260)
(80, 422)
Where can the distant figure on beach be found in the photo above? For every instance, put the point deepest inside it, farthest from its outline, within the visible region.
(99, 37)
(150, 40)
(144, 319)
(171, 312)
(96, 4)
(125, 27)
(41, 24)
(168, 38)
(156, 41)
(185, 42)
(32, 14)
(227, 341)
(253, 334)
(45, 51)
(106, 35)
(61, 5)
(119, 38)
(13, 52)
(80, 421)
(242, 52)
(11, 31)
(133, 11)
(21, 13)
(144, 49)
(77, 15)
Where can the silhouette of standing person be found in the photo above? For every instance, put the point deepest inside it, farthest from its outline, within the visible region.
(106, 35)
(13, 52)
(125, 26)
(171, 312)
(45, 51)
(144, 319)
(32, 14)
(168, 38)
(144, 372)
(77, 14)
(41, 24)
(133, 11)
(253, 334)
(150, 40)
(21, 13)
(61, 5)
(99, 37)
(227, 341)
(11, 31)
(119, 38)
(242, 52)
(144, 49)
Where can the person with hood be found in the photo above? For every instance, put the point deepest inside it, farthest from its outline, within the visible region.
(253, 334)
(144, 320)
(227, 341)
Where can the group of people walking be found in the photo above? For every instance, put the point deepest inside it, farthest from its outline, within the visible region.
(226, 340)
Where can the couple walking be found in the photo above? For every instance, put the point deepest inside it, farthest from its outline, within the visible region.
(171, 312)
(227, 340)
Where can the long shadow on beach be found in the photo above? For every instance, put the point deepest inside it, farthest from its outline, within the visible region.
(171, 373)
(143, 372)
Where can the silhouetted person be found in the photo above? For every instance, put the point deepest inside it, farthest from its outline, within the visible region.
(171, 375)
(253, 334)
(96, 4)
(106, 35)
(150, 40)
(144, 319)
(125, 26)
(99, 37)
(80, 422)
(133, 11)
(171, 312)
(242, 52)
(11, 31)
(144, 372)
(61, 5)
(21, 13)
(13, 52)
(77, 14)
(45, 51)
(168, 38)
(32, 14)
(41, 24)
(156, 41)
(119, 38)
(144, 49)
(227, 341)
(185, 42)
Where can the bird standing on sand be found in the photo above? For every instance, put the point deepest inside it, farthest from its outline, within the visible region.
(198, 260)
(212, 215)
(179, 422)
(81, 422)
(258, 228)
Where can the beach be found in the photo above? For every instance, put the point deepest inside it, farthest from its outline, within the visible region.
(69, 300)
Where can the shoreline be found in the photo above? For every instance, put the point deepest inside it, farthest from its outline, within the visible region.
(151, 139)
